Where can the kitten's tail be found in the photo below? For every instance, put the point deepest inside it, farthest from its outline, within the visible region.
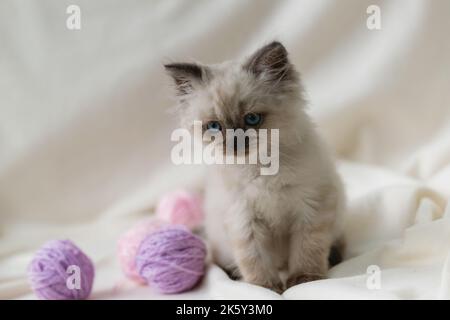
(336, 252)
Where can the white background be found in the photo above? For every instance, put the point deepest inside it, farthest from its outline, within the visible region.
(84, 129)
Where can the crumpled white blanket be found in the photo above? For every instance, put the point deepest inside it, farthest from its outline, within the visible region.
(84, 132)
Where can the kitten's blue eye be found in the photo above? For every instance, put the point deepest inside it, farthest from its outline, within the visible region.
(214, 126)
(252, 119)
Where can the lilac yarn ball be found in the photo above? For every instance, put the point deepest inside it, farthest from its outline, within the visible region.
(172, 259)
(53, 272)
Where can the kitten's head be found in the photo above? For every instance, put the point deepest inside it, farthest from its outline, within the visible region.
(263, 91)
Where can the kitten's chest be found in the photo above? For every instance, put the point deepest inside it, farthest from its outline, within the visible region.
(276, 206)
(270, 201)
(264, 198)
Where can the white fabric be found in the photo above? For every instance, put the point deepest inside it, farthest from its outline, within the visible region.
(84, 132)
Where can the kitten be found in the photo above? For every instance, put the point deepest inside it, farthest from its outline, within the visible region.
(260, 227)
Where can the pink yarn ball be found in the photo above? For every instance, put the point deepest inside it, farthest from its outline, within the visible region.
(181, 207)
(129, 243)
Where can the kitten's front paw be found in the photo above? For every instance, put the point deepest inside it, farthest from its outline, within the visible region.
(233, 273)
(275, 285)
(302, 278)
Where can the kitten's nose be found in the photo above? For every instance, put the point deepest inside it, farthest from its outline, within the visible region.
(240, 142)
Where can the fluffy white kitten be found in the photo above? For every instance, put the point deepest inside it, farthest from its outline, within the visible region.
(261, 227)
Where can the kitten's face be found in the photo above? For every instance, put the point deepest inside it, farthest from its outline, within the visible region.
(263, 92)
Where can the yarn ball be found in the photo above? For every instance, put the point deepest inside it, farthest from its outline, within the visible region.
(181, 207)
(128, 245)
(55, 270)
(172, 259)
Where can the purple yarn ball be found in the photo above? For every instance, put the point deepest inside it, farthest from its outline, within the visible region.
(172, 259)
(55, 270)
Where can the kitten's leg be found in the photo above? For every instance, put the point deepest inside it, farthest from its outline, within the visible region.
(254, 258)
(309, 250)
(311, 239)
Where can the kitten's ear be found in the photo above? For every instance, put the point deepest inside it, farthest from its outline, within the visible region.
(186, 75)
(271, 63)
